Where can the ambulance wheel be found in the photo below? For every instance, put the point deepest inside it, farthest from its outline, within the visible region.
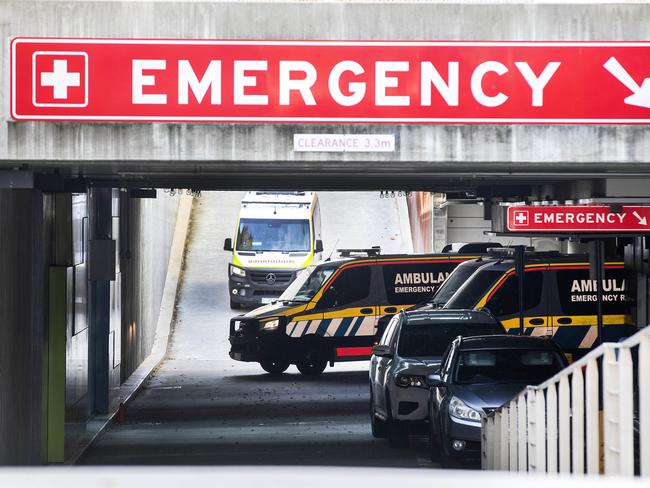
(312, 364)
(274, 366)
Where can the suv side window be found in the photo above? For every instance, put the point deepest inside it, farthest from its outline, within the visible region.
(387, 338)
(504, 302)
(352, 285)
(446, 361)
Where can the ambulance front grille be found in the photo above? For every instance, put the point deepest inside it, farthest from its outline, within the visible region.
(262, 277)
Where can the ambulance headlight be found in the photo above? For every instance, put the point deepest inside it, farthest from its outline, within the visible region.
(272, 324)
(234, 270)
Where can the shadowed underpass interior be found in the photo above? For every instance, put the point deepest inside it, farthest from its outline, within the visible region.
(201, 407)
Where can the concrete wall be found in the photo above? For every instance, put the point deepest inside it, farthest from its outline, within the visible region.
(433, 149)
(420, 206)
(22, 322)
(42, 232)
(144, 267)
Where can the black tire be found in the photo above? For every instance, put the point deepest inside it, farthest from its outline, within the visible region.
(234, 305)
(377, 425)
(312, 364)
(277, 366)
(434, 443)
(395, 431)
(397, 435)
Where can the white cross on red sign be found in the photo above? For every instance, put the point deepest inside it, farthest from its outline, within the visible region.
(59, 79)
(330, 81)
(578, 218)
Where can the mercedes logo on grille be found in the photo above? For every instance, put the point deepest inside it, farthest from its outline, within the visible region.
(271, 278)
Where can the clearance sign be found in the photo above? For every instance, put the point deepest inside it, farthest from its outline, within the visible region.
(330, 81)
(578, 219)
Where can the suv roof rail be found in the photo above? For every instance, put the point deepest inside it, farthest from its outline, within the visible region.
(370, 251)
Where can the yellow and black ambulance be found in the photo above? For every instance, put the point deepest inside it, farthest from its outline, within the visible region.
(559, 297)
(334, 311)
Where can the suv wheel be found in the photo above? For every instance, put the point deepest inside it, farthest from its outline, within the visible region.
(397, 436)
(434, 442)
(312, 364)
(396, 433)
(277, 366)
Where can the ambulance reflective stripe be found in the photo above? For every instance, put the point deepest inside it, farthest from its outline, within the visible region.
(336, 327)
(590, 337)
(312, 327)
(364, 327)
(343, 327)
(581, 333)
(295, 329)
(576, 320)
(322, 327)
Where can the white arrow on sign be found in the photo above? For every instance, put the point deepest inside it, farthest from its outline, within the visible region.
(640, 94)
(642, 220)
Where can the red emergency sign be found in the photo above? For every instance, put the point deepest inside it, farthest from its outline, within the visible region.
(578, 219)
(330, 81)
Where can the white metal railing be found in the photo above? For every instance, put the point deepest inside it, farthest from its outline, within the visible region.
(580, 421)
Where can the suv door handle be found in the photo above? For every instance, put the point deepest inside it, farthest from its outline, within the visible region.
(536, 321)
(366, 310)
(564, 320)
(390, 309)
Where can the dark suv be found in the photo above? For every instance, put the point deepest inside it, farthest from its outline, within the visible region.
(478, 375)
(409, 350)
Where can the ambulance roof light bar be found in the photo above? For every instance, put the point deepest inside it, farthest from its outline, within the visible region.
(509, 252)
(370, 252)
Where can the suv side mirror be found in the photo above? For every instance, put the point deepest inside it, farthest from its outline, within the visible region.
(435, 380)
(319, 246)
(227, 244)
(382, 351)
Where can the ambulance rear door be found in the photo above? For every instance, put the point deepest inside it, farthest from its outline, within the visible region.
(349, 311)
(502, 300)
(575, 310)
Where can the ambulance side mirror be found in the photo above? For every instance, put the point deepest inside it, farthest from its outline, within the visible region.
(227, 244)
(319, 246)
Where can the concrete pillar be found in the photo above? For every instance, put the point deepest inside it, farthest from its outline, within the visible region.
(22, 310)
(100, 298)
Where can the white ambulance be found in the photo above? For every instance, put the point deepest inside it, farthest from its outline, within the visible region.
(277, 235)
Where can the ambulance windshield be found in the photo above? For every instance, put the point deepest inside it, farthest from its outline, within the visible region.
(307, 283)
(280, 235)
(474, 289)
(455, 280)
